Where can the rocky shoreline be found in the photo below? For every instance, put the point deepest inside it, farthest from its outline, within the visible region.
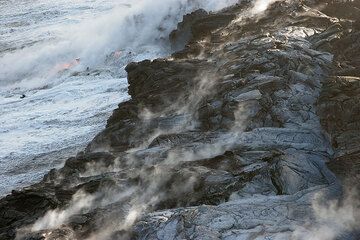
(231, 137)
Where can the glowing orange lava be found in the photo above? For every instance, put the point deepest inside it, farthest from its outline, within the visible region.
(66, 66)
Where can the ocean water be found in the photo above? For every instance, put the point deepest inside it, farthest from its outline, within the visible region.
(62, 72)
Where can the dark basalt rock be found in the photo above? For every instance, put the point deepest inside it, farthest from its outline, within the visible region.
(339, 100)
(182, 35)
(229, 138)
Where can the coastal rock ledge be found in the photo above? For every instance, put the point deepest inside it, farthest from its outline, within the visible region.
(250, 130)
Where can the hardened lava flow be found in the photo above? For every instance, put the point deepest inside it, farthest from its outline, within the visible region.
(248, 131)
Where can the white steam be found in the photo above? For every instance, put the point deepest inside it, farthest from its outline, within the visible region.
(142, 25)
(261, 6)
(334, 219)
(55, 218)
(257, 9)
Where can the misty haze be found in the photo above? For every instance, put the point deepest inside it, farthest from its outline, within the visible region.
(179, 119)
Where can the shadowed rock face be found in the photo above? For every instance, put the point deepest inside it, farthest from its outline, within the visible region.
(229, 138)
(339, 99)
